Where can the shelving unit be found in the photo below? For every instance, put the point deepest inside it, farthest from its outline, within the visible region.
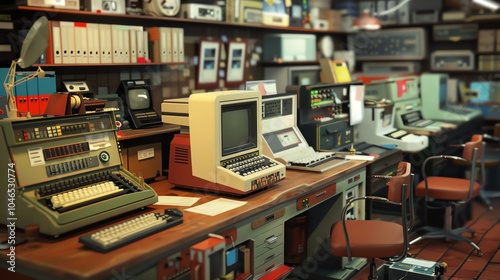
(169, 80)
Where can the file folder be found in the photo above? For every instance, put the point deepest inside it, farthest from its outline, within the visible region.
(166, 45)
(56, 43)
(116, 47)
(140, 45)
(93, 43)
(178, 44)
(134, 32)
(125, 43)
(67, 42)
(105, 43)
(145, 46)
(80, 29)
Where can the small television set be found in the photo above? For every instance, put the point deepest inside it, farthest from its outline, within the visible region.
(138, 102)
(114, 103)
(222, 149)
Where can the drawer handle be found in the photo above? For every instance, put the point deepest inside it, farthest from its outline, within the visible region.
(271, 239)
(270, 258)
(321, 193)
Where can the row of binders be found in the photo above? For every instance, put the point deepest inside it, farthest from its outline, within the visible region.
(96, 43)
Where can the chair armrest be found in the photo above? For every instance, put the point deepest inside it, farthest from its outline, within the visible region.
(435, 157)
(381, 176)
(456, 145)
(491, 138)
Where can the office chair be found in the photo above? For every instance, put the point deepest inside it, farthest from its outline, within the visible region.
(492, 164)
(449, 191)
(376, 238)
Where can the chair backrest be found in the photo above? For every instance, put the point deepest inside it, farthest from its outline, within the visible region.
(400, 190)
(475, 142)
(403, 176)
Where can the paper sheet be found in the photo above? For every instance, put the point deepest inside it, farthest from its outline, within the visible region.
(177, 200)
(216, 207)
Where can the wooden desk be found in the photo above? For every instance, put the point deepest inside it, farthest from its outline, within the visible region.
(130, 134)
(65, 258)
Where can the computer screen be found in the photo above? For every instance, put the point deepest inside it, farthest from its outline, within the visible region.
(238, 127)
(304, 76)
(443, 92)
(138, 98)
(282, 140)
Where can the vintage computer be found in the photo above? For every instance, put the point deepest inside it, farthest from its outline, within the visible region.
(138, 101)
(66, 173)
(435, 105)
(219, 148)
(284, 141)
(378, 128)
(404, 93)
(293, 75)
(325, 114)
(114, 103)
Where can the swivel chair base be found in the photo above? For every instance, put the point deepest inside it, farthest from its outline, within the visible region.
(448, 233)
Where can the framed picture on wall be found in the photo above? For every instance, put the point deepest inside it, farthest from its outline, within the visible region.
(236, 62)
(208, 66)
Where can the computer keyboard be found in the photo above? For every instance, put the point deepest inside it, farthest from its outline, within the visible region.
(313, 159)
(126, 232)
(458, 110)
(398, 133)
(422, 123)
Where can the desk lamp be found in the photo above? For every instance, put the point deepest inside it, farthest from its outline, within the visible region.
(34, 45)
(490, 4)
(368, 22)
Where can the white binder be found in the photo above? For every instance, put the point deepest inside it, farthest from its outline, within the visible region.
(67, 42)
(145, 45)
(56, 42)
(105, 43)
(81, 48)
(125, 43)
(93, 43)
(140, 45)
(116, 44)
(133, 44)
(166, 51)
(178, 44)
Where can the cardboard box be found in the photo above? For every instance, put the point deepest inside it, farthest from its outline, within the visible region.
(145, 160)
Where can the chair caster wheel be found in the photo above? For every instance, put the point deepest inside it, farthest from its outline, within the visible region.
(479, 254)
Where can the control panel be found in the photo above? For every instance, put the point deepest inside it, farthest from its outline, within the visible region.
(322, 102)
(39, 130)
(389, 44)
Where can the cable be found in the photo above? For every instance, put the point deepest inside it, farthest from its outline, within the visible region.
(391, 10)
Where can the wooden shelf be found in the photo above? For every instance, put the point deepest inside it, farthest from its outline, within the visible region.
(110, 64)
(74, 15)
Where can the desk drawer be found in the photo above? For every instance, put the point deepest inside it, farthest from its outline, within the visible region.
(269, 260)
(267, 237)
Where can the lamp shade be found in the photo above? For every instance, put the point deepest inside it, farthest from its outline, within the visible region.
(490, 4)
(366, 21)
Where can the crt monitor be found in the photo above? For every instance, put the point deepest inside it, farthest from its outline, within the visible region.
(138, 102)
(222, 149)
(238, 127)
